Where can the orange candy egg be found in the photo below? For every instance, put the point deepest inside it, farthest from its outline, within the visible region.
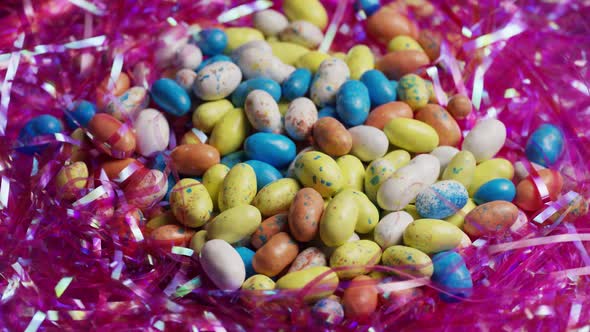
(380, 116)
(438, 118)
(305, 213)
(273, 257)
(104, 94)
(172, 235)
(490, 218)
(194, 159)
(459, 106)
(332, 137)
(527, 195)
(399, 63)
(388, 23)
(268, 228)
(111, 137)
(361, 297)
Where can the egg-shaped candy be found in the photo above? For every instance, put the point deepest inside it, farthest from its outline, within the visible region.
(339, 220)
(194, 159)
(490, 218)
(360, 59)
(545, 145)
(270, 22)
(321, 288)
(269, 228)
(380, 90)
(287, 52)
(361, 298)
(495, 190)
(239, 187)
(297, 84)
(111, 136)
(109, 88)
(170, 96)
(234, 224)
(211, 41)
(311, 11)
(528, 197)
(353, 103)
(275, 255)
(71, 179)
(41, 125)
(302, 33)
(243, 90)
(452, 274)
(213, 181)
(390, 229)
(263, 112)
(459, 106)
(222, 264)
(353, 172)
(152, 131)
(186, 78)
(387, 23)
(191, 204)
(230, 132)
(81, 114)
(325, 86)
(197, 242)
(258, 282)
(320, 172)
(368, 6)
(207, 115)
(489, 170)
(188, 56)
(147, 190)
(445, 125)
(408, 260)
(305, 213)
(277, 150)
(129, 104)
(412, 90)
(460, 168)
(403, 43)
(332, 137)
(300, 118)
(432, 235)
(328, 311)
(368, 143)
(213, 59)
(441, 200)
(308, 258)
(247, 256)
(171, 235)
(238, 36)
(234, 158)
(485, 139)
(445, 154)
(276, 196)
(412, 135)
(377, 172)
(359, 254)
(217, 80)
(265, 173)
(399, 63)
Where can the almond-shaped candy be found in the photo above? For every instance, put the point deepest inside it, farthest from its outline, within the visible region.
(302, 33)
(527, 194)
(399, 63)
(71, 179)
(490, 218)
(305, 213)
(359, 254)
(390, 229)
(153, 132)
(234, 224)
(263, 112)
(275, 255)
(222, 264)
(368, 143)
(332, 137)
(270, 22)
(217, 80)
(408, 260)
(111, 136)
(388, 23)
(300, 118)
(331, 75)
(269, 228)
(172, 234)
(438, 118)
(129, 103)
(308, 258)
(432, 235)
(191, 204)
(194, 159)
(485, 139)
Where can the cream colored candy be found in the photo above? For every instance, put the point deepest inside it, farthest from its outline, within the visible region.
(300, 118)
(263, 112)
(330, 76)
(217, 80)
(302, 33)
(186, 78)
(444, 154)
(368, 143)
(152, 132)
(223, 265)
(485, 139)
(189, 56)
(255, 62)
(390, 229)
(270, 22)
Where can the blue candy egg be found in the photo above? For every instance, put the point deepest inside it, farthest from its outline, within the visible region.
(274, 149)
(368, 6)
(442, 199)
(211, 41)
(451, 273)
(297, 84)
(247, 256)
(380, 89)
(495, 190)
(216, 58)
(234, 158)
(328, 111)
(545, 145)
(82, 114)
(171, 97)
(353, 103)
(265, 173)
(238, 97)
(39, 126)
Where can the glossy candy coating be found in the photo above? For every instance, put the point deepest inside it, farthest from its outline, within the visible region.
(441, 200)
(240, 94)
(276, 150)
(452, 274)
(353, 103)
(297, 84)
(545, 145)
(380, 90)
(265, 173)
(212, 41)
(170, 97)
(495, 190)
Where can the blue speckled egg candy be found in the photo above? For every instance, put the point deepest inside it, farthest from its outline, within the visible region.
(297, 84)
(265, 173)
(545, 145)
(353, 103)
(212, 41)
(442, 199)
(368, 6)
(171, 97)
(274, 149)
(213, 59)
(234, 158)
(328, 311)
(238, 97)
(82, 113)
(495, 190)
(247, 256)
(451, 273)
(328, 111)
(380, 89)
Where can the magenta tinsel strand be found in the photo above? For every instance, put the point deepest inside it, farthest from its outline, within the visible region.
(120, 283)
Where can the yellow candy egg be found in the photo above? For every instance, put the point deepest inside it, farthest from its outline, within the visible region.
(191, 204)
(432, 235)
(488, 170)
(213, 181)
(360, 253)
(413, 91)
(353, 172)
(458, 219)
(311, 11)
(377, 172)
(71, 179)
(311, 60)
(198, 241)
(461, 168)
(258, 282)
(166, 218)
(230, 132)
(411, 135)
(339, 220)
(276, 197)
(408, 261)
(399, 158)
(234, 224)
(404, 43)
(299, 279)
(207, 115)
(239, 187)
(368, 214)
(411, 209)
(359, 60)
(320, 172)
(288, 53)
(237, 37)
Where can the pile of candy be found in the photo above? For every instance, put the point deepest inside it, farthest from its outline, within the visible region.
(300, 169)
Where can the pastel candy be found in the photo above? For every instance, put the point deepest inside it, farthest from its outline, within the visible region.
(545, 145)
(153, 132)
(275, 149)
(297, 84)
(81, 114)
(380, 89)
(171, 97)
(213, 59)
(222, 264)
(217, 80)
(212, 41)
(353, 103)
(239, 96)
(452, 274)
(485, 139)
(495, 190)
(441, 200)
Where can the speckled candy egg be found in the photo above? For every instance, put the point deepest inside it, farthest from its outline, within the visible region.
(300, 118)
(368, 143)
(147, 190)
(129, 103)
(359, 254)
(186, 78)
(490, 218)
(321, 288)
(545, 145)
(265, 173)
(445, 125)
(377, 172)
(270, 22)
(445, 154)
(255, 62)
(275, 255)
(441, 199)
(268, 228)
(191, 204)
(238, 97)
(320, 172)
(276, 197)
(412, 90)
(390, 229)
(263, 112)
(408, 260)
(461, 168)
(432, 235)
(328, 311)
(71, 179)
(302, 33)
(485, 139)
(188, 56)
(451, 273)
(171, 235)
(217, 80)
(239, 187)
(331, 75)
(309, 257)
(305, 213)
(222, 264)
(152, 131)
(332, 137)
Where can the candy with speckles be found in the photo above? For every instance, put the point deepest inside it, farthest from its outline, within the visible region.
(489, 170)
(320, 172)
(359, 254)
(380, 116)
(270, 22)
(445, 154)
(331, 75)
(321, 288)
(445, 125)
(71, 179)
(275, 255)
(268, 228)
(412, 135)
(308, 258)
(545, 145)
(328, 311)
(302, 33)
(217, 80)
(460, 168)
(368, 215)
(263, 112)
(243, 90)
(413, 91)
(495, 190)
(361, 298)
(432, 235)
(191, 204)
(305, 213)
(277, 150)
(239, 187)
(408, 260)
(490, 218)
(441, 200)
(339, 220)
(234, 224)
(377, 172)
(276, 197)
(300, 118)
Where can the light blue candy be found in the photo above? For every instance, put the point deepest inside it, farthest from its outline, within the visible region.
(297, 84)
(42, 125)
(328, 111)
(216, 58)
(368, 6)
(394, 85)
(451, 274)
(265, 173)
(545, 145)
(234, 158)
(495, 190)
(211, 41)
(353, 103)
(82, 114)
(274, 149)
(171, 97)
(380, 89)
(238, 97)
(441, 200)
(247, 256)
